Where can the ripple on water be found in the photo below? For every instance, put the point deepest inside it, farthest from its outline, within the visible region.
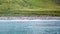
(29, 27)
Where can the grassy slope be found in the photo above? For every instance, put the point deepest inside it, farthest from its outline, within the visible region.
(24, 7)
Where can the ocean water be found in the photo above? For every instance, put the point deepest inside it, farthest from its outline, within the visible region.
(29, 27)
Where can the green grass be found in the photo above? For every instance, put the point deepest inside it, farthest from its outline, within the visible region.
(28, 7)
(30, 13)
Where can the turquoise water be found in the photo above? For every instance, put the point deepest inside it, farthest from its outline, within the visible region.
(29, 27)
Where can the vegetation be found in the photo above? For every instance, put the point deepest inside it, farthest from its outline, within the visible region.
(28, 7)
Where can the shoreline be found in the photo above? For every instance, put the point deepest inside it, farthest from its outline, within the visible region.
(29, 18)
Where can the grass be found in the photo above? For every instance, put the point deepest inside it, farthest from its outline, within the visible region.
(28, 7)
(29, 13)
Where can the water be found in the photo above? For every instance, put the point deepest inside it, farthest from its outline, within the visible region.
(29, 27)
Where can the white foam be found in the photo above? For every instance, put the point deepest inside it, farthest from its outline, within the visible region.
(29, 20)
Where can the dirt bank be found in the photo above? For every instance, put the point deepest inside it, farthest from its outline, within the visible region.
(56, 2)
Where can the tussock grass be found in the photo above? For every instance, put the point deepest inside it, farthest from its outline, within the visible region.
(28, 7)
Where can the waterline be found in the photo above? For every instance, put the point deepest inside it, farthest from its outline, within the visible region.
(29, 20)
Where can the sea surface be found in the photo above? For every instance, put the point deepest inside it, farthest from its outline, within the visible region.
(30, 27)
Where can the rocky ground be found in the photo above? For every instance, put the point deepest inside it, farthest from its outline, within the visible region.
(30, 18)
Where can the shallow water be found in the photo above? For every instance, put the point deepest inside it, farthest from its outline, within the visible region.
(29, 27)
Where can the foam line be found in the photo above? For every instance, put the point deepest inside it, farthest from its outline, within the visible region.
(29, 20)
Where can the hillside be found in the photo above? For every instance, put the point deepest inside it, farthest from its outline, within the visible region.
(30, 7)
